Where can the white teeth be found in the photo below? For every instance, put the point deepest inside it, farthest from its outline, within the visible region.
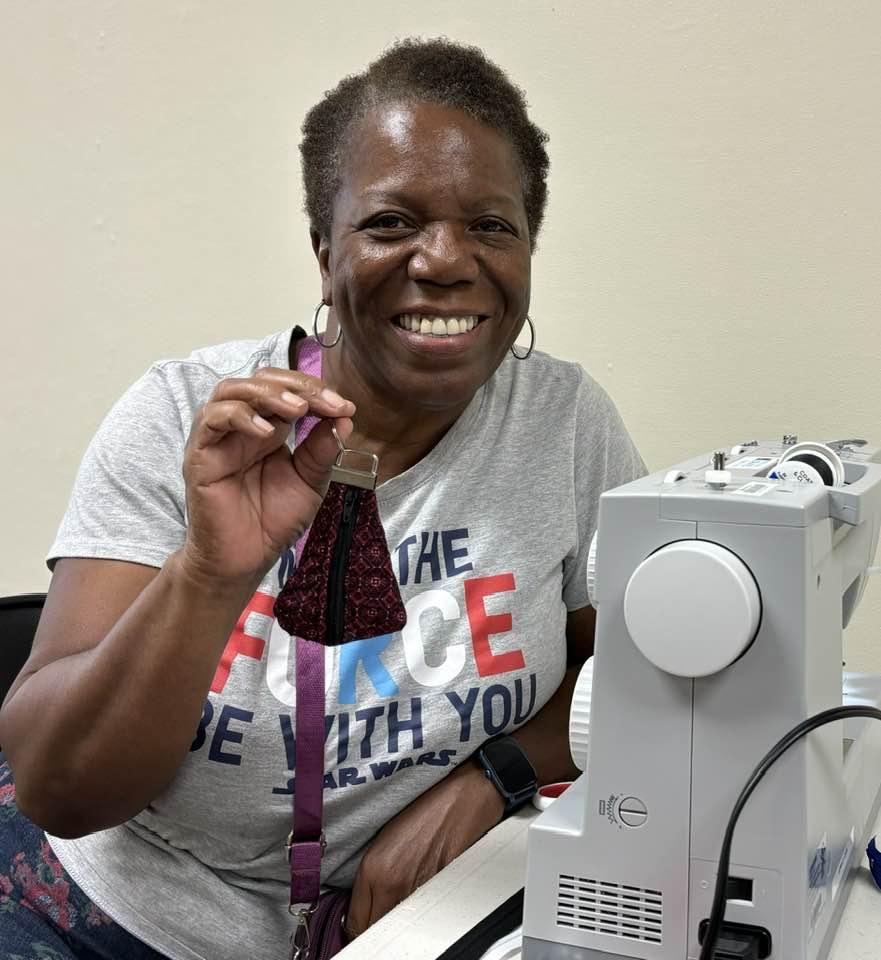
(437, 326)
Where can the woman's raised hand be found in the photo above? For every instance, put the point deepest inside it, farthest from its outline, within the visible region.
(248, 497)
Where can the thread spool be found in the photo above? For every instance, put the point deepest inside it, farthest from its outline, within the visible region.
(795, 471)
(810, 462)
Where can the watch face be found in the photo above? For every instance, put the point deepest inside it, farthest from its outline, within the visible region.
(510, 764)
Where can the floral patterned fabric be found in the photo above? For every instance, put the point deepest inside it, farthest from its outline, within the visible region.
(44, 915)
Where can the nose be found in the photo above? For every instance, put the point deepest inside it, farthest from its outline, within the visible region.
(443, 255)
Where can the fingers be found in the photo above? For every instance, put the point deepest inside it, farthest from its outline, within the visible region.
(369, 904)
(228, 416)
(382, 900)
(258, 406)
(375, 892)
(285, 393)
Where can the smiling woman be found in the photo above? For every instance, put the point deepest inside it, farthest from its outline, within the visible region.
(429, 223)
(163, 776)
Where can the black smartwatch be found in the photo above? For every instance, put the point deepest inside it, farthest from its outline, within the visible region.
(505, 763)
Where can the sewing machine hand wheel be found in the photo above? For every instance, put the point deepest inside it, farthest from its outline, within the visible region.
(692, 608)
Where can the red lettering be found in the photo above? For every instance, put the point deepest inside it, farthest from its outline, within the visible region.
(484, 624)
(240, 643)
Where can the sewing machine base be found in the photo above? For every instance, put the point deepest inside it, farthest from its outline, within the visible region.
(862, 781)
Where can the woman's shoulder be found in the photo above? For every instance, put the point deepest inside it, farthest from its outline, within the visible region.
(169, 392)
(188, 381)
(232, 358)
(544, 390)
(546, 379)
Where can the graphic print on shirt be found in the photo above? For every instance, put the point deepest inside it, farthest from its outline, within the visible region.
(398, 700)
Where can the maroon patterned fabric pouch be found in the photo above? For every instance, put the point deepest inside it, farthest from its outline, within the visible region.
(344, 587)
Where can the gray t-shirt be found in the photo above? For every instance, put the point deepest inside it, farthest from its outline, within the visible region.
(489, 536)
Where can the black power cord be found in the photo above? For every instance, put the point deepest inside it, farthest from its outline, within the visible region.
(717, 913)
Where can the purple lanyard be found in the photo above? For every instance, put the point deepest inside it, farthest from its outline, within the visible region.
(306, 841)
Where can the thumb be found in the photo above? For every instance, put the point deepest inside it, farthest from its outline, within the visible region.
(313, 458)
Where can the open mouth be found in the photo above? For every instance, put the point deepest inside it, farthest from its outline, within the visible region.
(435, 326)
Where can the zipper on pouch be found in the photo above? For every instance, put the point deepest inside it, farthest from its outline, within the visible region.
(336, 588)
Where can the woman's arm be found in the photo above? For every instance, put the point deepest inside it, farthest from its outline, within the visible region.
(545, 738)
(447, 819)
(119, 642)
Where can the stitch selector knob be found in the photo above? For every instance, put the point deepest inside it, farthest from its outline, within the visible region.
(632, 812)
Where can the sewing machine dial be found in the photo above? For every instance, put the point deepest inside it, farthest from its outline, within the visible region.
(592, 572)
(579, 715)
(692, 608)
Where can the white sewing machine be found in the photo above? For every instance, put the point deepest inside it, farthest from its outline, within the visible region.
(722, 588)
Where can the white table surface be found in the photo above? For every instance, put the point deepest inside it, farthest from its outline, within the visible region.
(484, 877)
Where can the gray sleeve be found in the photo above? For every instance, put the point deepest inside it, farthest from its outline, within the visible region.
(604, 457)
(128, 501)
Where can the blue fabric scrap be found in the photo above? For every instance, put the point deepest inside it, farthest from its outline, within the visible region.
(874, 856)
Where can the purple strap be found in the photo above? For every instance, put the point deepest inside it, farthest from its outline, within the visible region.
(307, 839)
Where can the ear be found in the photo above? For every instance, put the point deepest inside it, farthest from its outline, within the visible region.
(321, 249)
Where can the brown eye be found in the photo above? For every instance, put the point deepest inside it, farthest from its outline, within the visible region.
(388, 221)
(491, 225)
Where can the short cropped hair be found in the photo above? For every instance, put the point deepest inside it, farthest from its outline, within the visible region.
(430, 71)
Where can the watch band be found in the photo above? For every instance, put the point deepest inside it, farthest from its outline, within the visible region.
(507, 767)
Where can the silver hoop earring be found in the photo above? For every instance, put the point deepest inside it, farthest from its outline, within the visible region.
(321, 343)
(525, 356)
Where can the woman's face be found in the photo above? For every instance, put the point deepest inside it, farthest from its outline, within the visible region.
(429, 227)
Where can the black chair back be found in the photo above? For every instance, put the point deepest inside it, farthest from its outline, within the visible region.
(18, 624)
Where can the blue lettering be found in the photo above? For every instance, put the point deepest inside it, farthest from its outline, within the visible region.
(342, 747)
(286, 790)
(464, 708)
(349, 776)
(207, 717)
(224, 735)
(366, 652)
(369, 715)
(383, 768)
(290, 743)
(520, 714)
(286, 565)
(489, 724)
(451, 554)
(414, 724)
(404, 560)
(428, 555)
(439, 759)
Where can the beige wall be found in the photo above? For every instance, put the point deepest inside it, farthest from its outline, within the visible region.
(711, 251)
